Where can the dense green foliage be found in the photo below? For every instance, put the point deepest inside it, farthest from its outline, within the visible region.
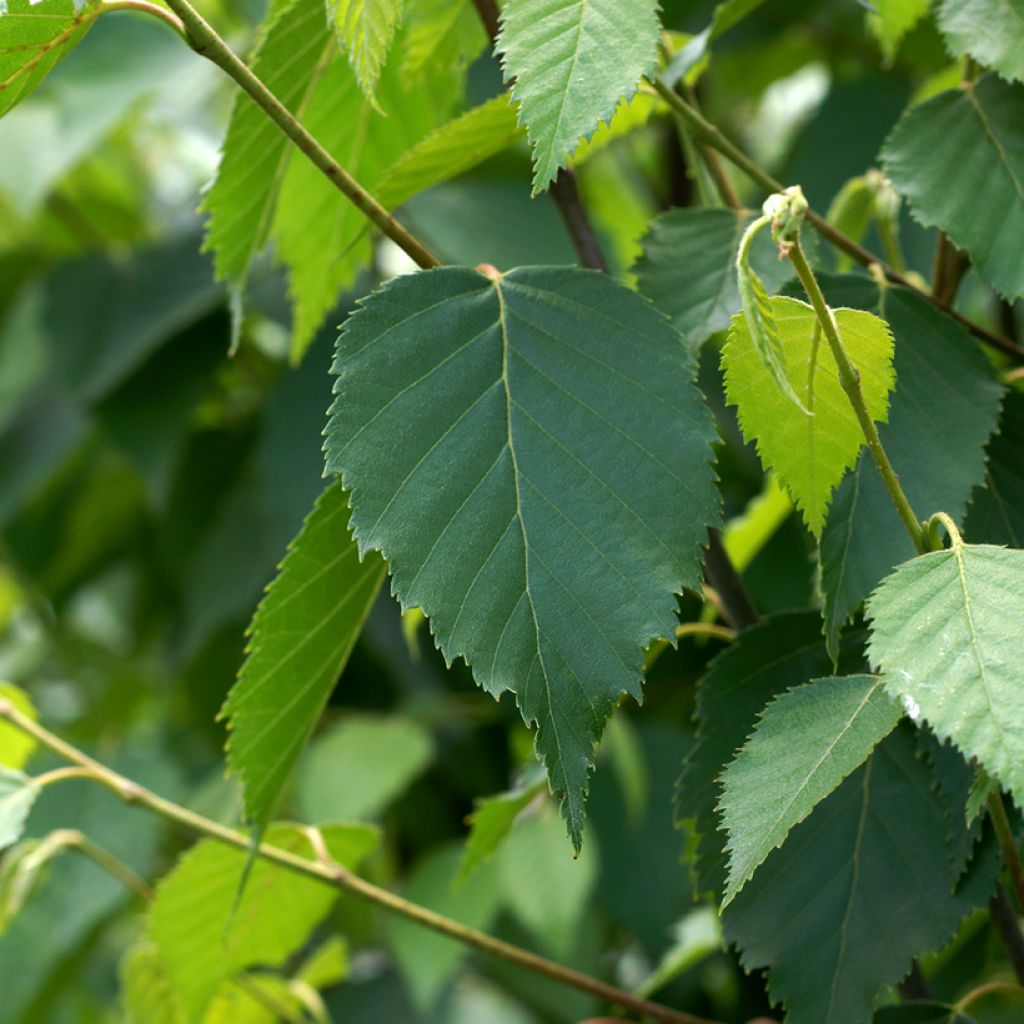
(477, 546)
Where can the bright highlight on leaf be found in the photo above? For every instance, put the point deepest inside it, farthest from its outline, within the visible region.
(808, 453)
(34, 38)
(805, 744)
(573, 61)
(938, 153)
(365, 29)
(530, 454)
(946, 632)
(16, 747)
(321, 596)
(990, 31)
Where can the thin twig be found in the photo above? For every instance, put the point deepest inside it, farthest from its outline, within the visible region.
(713, 136)
(342, 878)
(206, 42)
(1007, 844)
(1007, 924)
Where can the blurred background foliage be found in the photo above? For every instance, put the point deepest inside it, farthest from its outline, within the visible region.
(151, 483)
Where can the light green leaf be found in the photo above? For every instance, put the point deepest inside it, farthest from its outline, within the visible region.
(981, 789)
(746, 535)
(809, 453)
(266, 189)
(543, 885)
(441, 34)
(17, 795)
(16, 747)
(322, 594)
(944, 406)
(489, 826)
(451, 150)
(365, 30)
(891, 20)
(484, 428)
(573, 61)
(996, 515)
(688, 268)
(938, 152)
(270, 923)
(866, 883)
(357, 768)
(20, 872)
(256, 153)
(989, 31)
(779, 653)
(427, 960)
(322, 237)
(34, 38)
(946, 633)
(806, 743)
(147, 995)
(726, 15)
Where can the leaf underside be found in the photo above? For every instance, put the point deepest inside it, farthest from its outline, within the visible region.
(532, 457)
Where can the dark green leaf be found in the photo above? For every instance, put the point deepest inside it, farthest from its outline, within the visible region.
(996, 515)
(484, 428)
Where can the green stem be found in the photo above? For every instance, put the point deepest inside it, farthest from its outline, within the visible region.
(207, 43)
(336, 875)
(714, 137)
(144, 7)
(849, 379)
(1007, 844)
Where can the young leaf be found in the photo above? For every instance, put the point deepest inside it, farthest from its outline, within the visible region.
(451, 150)
(34, 37)
(365, 30)
(996, 515)
(16, 747)
(938, 152)
(944, 407)
(272, 920)
(809, 453)
(946, 633)
(863, 890)
(532, 458)
(441, 34)
(891, 20)
(17, 795)
(805, 744)
(779, 653)
(322, 594)
(990, 31)
(688, 268)
(573, 61)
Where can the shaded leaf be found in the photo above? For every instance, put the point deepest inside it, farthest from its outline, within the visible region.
(779, 653)
(321, 595)
(990, 31)
(441, 34)
(484, 428)
(862, 889)
(359, 766)
(573, 61)
(944, 406)
(809, 453)
(806, 743)
(946, 633)
(941, 149)
(996, 515)
(688, 268)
